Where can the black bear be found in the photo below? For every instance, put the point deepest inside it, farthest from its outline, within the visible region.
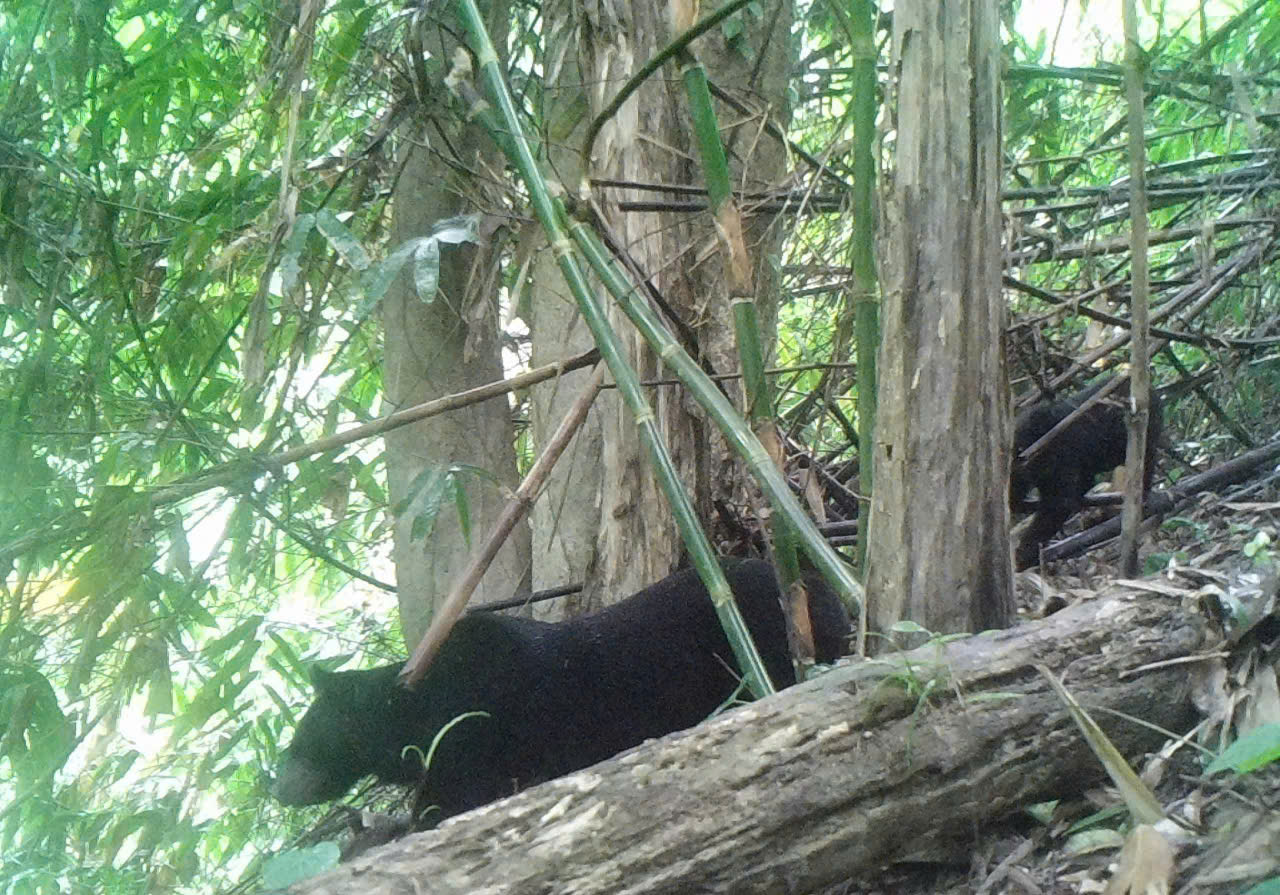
(1065, 470)
(556, 697)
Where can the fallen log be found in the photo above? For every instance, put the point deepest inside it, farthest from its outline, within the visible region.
(871, 762)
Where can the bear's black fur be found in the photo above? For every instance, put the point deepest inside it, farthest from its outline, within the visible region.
(559, 697)
(1066, 469)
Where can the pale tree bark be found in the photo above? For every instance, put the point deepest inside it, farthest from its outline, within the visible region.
(603, 516)
(830, 779)
(435, 348)
(566, 517)
(939, 549)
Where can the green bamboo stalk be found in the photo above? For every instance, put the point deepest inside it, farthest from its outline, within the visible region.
(706, 130)
(551, 215)
(757, 388)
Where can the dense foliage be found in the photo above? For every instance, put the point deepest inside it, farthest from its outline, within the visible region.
(161, 341)
(190, 196)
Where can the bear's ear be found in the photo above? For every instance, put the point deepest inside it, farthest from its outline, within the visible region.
(323, 681)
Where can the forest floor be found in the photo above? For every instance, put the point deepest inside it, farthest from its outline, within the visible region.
(1074, 845)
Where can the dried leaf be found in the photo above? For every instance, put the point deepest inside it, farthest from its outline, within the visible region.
(1145, 866)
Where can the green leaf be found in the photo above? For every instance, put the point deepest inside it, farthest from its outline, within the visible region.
(345, 46)
(246, 631)
(1257, 748)
(379, 277)
(343, 240)
(292, 660)
(160, 692)
(463, 507)
(425, 495)
(290, 258)
(35, 735)
(288, 867)
(907, 627)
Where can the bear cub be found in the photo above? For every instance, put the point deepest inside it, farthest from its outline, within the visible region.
(1066, 469)
(557, 697)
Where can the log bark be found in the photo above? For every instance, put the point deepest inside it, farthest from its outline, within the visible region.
(826, 779)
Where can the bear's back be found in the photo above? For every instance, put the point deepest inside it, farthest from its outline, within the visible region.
(581, 690)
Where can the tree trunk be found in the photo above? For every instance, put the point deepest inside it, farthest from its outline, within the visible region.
(566, 517)
(435, 348)
(612, 522)
(939, 539)
(824, 780)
